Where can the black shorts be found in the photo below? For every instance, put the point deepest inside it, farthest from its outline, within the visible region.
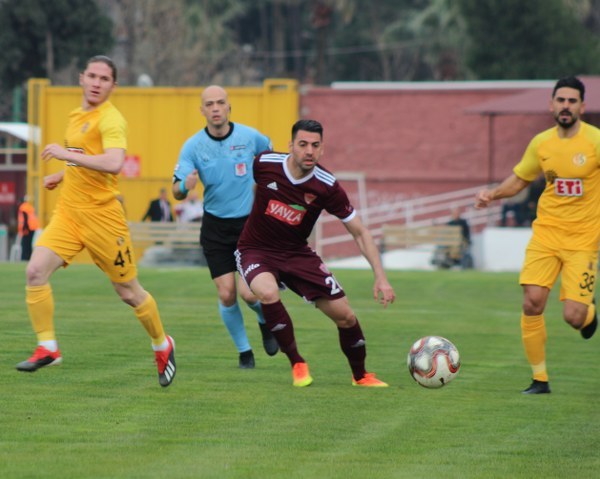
(218, 238)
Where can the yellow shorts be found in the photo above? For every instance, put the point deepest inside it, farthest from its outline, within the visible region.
(102, 230)
(579, 269)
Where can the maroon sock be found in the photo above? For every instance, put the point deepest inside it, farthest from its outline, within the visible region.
(280, 324)
(352, 342)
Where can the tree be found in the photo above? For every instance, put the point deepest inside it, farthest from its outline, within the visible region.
(179, 42)
(39, 37)
(441, 30)
(214, 54)
(379, 43)
(513, 39)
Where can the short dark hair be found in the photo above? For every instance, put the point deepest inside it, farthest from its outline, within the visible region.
(106, 60)
(570, 82)
(307, 125)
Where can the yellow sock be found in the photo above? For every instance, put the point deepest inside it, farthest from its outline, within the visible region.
(40, 305)
(590, 315)
(148, 315)
(533, 332)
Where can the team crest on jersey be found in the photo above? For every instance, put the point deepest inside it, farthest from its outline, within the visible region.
(568, 187)
(309, 198)
(579, 159)
(240, 169)
(85, 127)
(290, 214)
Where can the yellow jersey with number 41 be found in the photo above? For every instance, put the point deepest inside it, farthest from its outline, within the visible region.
(568, 212)
(91, 133)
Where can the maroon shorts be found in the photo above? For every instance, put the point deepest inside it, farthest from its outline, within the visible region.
(302, 271)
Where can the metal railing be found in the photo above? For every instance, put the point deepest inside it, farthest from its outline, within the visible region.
(422, 211)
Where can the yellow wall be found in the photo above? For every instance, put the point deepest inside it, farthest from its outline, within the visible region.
(160, 120)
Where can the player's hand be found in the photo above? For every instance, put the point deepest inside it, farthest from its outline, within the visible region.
(383, 293)
(483, 199)
(54, 150)
(52, 181)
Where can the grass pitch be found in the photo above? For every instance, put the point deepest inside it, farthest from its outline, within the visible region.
(102, 413)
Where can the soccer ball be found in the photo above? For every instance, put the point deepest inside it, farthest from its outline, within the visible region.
(433, 361)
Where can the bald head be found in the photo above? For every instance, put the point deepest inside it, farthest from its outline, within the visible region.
(215, 108)
(213, 91)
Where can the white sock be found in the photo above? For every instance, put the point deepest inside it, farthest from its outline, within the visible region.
(163, 347)
(51, 345)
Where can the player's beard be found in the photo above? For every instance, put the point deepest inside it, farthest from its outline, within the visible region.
(307, 168)
(566, 124)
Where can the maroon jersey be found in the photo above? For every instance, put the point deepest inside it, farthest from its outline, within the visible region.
(285, 209)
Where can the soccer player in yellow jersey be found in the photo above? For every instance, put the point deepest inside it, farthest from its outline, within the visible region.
(89, 215)
(566, 231)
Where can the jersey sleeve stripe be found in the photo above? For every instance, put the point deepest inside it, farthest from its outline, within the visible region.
(325, 177)
(272, 158)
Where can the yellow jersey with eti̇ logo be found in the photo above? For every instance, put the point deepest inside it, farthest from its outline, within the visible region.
(91, 133)
(568, 212)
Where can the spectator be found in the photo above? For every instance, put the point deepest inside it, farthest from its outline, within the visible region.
(160, 208)
(536, 188)
(27, 224)
(458, 220)
(449, 256)
(517, 205)
(192, 209)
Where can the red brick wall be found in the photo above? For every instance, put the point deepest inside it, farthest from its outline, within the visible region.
(415, 143)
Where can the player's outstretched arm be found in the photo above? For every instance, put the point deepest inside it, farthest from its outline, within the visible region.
(508, 188)
(111, 161)
(382, 290)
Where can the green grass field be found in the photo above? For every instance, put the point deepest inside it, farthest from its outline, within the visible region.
(102, 413)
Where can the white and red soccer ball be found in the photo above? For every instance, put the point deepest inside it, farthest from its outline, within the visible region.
(433, 361)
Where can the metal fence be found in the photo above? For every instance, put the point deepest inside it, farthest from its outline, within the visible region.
(328, 240)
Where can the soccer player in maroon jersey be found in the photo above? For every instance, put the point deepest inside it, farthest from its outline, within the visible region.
(291, 191)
